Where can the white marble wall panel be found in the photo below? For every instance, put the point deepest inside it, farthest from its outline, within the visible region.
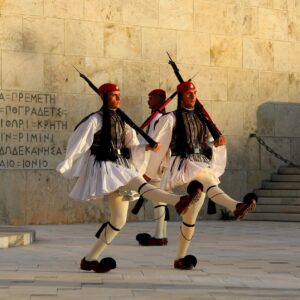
(60, 76)
(198, 51)
(273, 87)
(242, 85)
(176, 15)
(167, 79)
(259, 3)
(78, 106)
(229, 117)
(249, 21)
(103, 11)
(258, 54)
(273, 24)
(294, 87)
(155, 43)
(294, 27)
(296, 7)
(281, 57)
(84, 38)
(64, 8)
(211, 82)
(26, 7)
(101, 70)
(11, 32)
(293, 54)
(139, 78)
(140, 12)
(134, 107)
(226, 51)
(22, 71)
(1, 69)
(219, 18)
(122, 42)
(43, 35)
(282, 4)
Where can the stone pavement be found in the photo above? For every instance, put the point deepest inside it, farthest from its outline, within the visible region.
(236, 260)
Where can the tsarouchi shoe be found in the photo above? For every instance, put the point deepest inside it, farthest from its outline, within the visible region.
(105, 265)
(146, 239)
(243, 208)
(186, 263)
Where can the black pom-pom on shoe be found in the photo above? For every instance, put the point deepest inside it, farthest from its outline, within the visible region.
(249, 197)
(142, 238)
(108, 263)
(186, 263)
(190, 260)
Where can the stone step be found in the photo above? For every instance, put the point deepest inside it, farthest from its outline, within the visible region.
(285, 177)
(277, 193)
(288, 209)
(289, 170)
(283, 217)
(278, 201)
(281, 185)
(11, 236)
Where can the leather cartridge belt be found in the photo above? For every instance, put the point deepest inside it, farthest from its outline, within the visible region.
(190, 151)
(112, 154)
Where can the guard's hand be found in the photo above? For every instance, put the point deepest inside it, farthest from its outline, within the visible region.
(154, 149)
(220, 141)
(147, 178)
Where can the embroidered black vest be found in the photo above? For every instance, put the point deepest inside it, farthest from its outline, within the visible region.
(117, 151)
(196, 134)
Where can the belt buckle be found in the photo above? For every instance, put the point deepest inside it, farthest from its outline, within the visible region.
(197, 150)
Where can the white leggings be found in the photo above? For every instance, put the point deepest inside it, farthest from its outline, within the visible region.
(119, 209)
(210, 188)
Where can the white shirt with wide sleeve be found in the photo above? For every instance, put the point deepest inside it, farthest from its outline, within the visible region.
(98, 178)
(150, 155)
(177, 171)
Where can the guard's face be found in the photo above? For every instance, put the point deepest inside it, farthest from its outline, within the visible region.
(113, 100)
(154, 102)
(189, 99)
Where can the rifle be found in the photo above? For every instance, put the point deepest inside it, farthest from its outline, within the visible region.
(215, 132)
(151, 142)
(158, 110)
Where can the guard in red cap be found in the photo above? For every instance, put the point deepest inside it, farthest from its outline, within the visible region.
(105, 154)
(161, 214)
(190, 159)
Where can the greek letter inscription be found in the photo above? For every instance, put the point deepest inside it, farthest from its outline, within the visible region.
(32, 130)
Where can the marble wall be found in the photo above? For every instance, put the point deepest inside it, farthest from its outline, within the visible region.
(245, 52)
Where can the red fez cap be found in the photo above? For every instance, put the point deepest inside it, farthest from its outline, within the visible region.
(185, 86)
(108, 87)
(158, 92)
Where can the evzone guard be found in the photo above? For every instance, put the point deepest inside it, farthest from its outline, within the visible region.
(190, 159)
(105, 154)
(160, 212)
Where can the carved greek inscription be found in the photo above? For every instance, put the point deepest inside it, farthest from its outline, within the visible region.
(33, 127)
